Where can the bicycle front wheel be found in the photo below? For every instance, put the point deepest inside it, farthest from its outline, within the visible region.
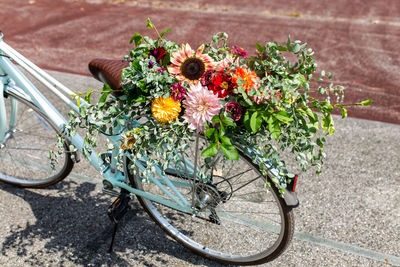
(24, 153)
(239, 220)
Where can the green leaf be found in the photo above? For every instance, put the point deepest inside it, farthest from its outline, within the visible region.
(288, 43)
(282, 48)
(226, 140)
(328, 124)
(210, 151)
(215, 38)
(140, 98)
(344, 111)
(104, 97)
(365, 102)
(164, 32)
(327, 106)
(87, 96)
(227, 121)
(166, 60)
(274, 128)
(149, 24)
(296, 48)
(320, 141)
(266, 116)
(136, 65)
(331, 129)
(221, 130)
(246, 120)
(260, 48)
(283, 116)
(255, 121)
(229, 151)
(83, 111)
(137, 38)
(216, 119)
(209, 132)
(311, 115)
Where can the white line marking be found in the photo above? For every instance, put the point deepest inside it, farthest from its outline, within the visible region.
(363, 252)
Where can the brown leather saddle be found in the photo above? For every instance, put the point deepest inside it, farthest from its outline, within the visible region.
(108, 71)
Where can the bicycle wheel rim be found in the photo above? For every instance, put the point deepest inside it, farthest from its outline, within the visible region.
(234, 250)
(24, 157)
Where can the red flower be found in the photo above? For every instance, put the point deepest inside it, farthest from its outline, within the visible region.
(158, 53)
(221, 84)
(234, 109)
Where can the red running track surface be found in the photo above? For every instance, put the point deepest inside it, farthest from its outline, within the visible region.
(355, 40)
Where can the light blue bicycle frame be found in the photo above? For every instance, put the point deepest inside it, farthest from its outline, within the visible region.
(13, 80)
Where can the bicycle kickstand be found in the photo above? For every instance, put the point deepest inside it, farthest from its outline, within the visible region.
(116, 211)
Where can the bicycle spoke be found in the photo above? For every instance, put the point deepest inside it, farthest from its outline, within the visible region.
(25, 154)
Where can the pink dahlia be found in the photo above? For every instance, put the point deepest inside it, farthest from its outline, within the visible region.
(200, 105)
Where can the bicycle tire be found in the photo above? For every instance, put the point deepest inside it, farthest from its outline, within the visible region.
(184, 232)
(24, 160)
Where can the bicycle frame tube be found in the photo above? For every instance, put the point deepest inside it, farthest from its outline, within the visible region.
(51, 83)
(17, 82)
(3, 117)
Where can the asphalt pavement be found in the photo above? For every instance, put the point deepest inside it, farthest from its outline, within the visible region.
(348, 215)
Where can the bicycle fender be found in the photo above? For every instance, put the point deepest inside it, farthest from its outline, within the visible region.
(291, 199)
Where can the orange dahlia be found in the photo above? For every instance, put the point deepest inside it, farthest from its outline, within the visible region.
(189, 66)
(165, 109)
(248, 76)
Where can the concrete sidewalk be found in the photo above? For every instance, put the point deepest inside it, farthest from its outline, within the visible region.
(348, 216)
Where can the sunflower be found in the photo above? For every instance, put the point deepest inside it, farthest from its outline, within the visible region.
(165, 109)
(189, 66)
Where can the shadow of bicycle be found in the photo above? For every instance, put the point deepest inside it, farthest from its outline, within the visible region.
(72, 228)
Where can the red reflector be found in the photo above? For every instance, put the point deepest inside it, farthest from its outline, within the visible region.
(294, 183)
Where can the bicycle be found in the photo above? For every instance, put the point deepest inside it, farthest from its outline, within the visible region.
(229, 217)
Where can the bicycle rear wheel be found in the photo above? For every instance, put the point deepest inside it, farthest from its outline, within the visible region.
(241, 221)
(24, 154)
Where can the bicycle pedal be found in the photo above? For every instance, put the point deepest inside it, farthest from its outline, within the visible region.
(119, 207)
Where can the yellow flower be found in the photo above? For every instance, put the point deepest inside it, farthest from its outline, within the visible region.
(165, 109)
(128, 141)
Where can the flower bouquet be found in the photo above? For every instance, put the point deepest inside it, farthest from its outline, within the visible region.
(236, 101)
